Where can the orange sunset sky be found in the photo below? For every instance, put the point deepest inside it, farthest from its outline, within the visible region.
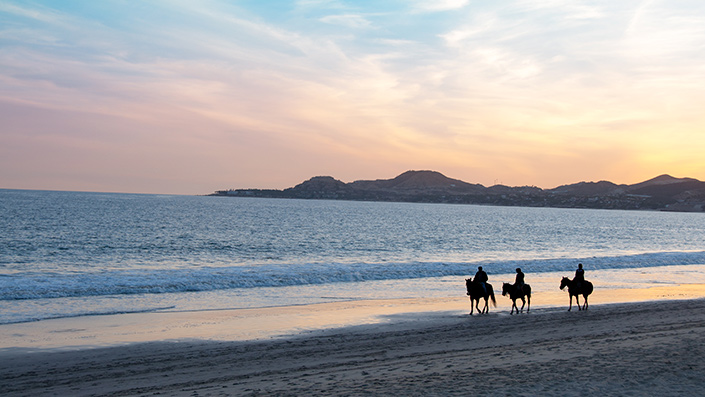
(187, 97)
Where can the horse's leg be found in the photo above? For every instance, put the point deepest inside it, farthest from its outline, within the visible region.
(469, 297)
(570, 300)
(514, 304)
(577, 302)
(486, 309)
(528, 298)
(586, 303)
(523, 303)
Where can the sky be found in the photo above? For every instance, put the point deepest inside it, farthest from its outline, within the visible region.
(188, 97)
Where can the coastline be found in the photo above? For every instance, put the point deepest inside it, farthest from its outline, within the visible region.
(643, 334)
(434, 187)
(204, 322)
(642, 348)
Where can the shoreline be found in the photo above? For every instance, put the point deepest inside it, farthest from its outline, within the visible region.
(642, 348)
(256, 324)
(275, 322)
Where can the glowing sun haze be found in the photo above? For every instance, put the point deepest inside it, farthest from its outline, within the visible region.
(187, 97)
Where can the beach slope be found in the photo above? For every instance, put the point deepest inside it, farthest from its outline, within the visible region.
(649, 348)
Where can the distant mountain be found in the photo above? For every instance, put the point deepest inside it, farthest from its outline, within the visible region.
(661, 193)
(666, 186)
(419, 181)
(662, 180)
(321, 183)
(602, 188)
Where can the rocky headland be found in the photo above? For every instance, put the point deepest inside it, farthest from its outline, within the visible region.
(664, 192)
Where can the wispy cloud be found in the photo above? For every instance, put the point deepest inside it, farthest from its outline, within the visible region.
(355, 90)
(348, 20)
(438, 5)
(320, 4)
(36, 13)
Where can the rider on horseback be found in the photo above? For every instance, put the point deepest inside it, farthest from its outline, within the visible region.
(579, 276)
(519, 281)
(481, 277)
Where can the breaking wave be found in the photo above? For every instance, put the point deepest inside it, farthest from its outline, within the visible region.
(23, 286)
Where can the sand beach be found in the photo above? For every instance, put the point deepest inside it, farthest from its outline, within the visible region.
(241, 198)
(652, 347)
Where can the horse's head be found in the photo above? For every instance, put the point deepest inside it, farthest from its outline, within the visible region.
(564, 282)
(506, 288)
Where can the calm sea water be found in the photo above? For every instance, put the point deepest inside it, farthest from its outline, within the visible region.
(68, 254)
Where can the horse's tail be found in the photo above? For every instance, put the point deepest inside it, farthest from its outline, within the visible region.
(494, 302)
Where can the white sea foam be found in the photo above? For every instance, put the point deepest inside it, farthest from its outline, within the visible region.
(43, 286)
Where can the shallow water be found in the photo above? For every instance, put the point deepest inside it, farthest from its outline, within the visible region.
(65, 254)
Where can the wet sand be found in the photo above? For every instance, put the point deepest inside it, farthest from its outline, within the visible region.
(286, 321)
(641, 348)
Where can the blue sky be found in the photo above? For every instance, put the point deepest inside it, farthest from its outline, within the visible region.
(193, 96)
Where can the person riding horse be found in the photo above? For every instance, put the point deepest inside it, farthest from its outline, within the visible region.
(519, 281)
(576, 287)
(579, 276)
(480, 290)
(481, 277)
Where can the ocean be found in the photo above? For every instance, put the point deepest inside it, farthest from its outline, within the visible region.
(69, 254)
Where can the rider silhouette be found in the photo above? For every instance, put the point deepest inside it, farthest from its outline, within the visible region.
(481, 277)
(519, 281)
(579, 276)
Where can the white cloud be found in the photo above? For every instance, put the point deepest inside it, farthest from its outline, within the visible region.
(42, 15)
(319, 4)
(661, 34)
(510, 71)
(439, 5)
(347, 20)
(455, 37)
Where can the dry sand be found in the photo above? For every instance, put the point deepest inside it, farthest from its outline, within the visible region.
(647, 348)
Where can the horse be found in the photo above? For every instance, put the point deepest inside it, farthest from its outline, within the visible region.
(514, 294)
(573, 290)
(475, 292)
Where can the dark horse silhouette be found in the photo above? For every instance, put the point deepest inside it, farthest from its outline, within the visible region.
(475, 292)
(514, 294)
(573, 290)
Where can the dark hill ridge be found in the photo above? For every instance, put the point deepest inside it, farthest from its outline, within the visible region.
(418, 181)
(662, 180)
(321, 183)
(661, 193)
(602, 188)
